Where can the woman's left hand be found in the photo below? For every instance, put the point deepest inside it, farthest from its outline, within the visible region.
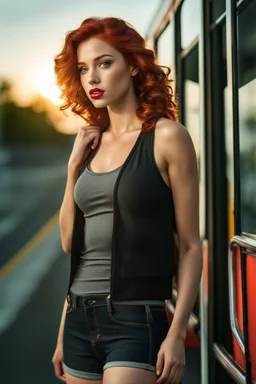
(171, 361)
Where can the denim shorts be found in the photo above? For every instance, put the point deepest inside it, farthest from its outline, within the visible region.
(100, 333)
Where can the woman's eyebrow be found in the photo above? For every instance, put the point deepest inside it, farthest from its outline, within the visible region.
(96, 58)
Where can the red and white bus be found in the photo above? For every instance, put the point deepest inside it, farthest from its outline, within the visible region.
(210, 46)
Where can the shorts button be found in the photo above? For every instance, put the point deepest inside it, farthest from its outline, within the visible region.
(91, 302)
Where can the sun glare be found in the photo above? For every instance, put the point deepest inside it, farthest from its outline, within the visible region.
(44, 83)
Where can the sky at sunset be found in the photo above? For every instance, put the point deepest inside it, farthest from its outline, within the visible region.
(33, 33)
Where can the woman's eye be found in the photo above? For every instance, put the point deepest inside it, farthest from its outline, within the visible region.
(106, 63)
(82, 69)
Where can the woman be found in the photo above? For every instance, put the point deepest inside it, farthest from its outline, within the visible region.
(132, 170)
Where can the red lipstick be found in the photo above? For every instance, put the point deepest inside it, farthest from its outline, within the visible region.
(96, 93)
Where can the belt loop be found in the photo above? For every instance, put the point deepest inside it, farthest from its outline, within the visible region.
(109, 304)
(73, 300)
(149, 313)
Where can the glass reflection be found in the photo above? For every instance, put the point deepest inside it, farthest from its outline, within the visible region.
(191, 96)
(218, 7)
(165, 49)
(191, 114)
(247, 116)
(190, 21)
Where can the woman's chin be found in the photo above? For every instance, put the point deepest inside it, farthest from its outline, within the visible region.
(100, 103)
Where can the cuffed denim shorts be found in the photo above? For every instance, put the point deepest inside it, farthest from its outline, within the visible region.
(100, 333)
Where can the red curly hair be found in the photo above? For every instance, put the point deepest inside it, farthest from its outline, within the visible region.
(155, 95)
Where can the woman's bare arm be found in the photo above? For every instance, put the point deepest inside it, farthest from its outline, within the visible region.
(61, 328)
(179, 153)
(57, 358)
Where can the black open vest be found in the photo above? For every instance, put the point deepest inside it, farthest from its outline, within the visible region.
(143, 227)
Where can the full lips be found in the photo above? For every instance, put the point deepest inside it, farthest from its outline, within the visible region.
(96, 95)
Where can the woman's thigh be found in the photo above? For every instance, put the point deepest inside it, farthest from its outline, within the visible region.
(80, 360)
(75, 380)
(128, 375)
(135, 336)
(101, 336)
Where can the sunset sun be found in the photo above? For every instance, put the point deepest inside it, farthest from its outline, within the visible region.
(44, 83)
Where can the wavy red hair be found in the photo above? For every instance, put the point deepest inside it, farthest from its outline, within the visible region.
(152, 84)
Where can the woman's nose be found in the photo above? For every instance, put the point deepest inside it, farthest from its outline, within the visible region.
(93, 78)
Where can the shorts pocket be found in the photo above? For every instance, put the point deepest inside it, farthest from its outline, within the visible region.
(133, 315)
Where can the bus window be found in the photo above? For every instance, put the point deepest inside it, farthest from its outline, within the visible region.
(218, 7)
(191, 96)
(191, 115)
(190, 19)
(247, 117)
(165, 50)
(229, 143)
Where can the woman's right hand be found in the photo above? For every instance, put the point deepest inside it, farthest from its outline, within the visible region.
(57, 361)
(86, 139)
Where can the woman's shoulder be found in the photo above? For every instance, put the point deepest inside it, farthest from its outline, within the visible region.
(170, 131)
(173, 139)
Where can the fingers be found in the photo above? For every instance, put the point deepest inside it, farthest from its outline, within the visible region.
(59, 371)
(92, 133)
(172, 372)
(160, 363)
(95, 142)
(163, 379)
(175, 375)
(62, 379)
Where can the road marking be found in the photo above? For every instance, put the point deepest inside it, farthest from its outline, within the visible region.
(30, 246)
(25, 271)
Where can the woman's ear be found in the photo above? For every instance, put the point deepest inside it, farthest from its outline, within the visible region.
(134, 70)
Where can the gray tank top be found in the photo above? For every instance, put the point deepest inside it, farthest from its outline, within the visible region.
(93, 193)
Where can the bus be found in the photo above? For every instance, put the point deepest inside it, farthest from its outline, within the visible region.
(210, 46)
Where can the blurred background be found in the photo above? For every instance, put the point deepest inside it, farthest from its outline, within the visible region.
(210, 47)
(35, 143)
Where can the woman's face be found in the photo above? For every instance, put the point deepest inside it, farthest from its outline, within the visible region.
(102, 66)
